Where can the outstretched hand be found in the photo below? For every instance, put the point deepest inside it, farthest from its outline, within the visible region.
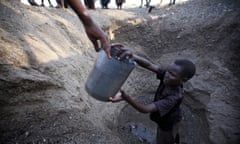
(117, 98)
(96, 34)
(125, 52)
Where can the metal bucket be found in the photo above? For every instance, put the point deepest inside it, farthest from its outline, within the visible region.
(108, 75)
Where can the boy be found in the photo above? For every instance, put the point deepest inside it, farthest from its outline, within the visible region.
(165, 110)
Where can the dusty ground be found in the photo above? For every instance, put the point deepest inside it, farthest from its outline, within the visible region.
(45, 58)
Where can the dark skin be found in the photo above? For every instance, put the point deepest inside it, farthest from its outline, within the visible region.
(93, 31)
(172, 78)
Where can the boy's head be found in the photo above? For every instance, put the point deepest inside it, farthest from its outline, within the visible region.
(188, 69)
(180, 71)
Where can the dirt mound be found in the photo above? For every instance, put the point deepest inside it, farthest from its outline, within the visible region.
(45, 58)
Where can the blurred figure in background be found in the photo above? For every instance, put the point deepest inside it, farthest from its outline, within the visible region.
(90, 4)
(62, 3)
(147, 3)
(104, 3)
(32, 3)
(50, 4)
(172, 2)
(119, 3)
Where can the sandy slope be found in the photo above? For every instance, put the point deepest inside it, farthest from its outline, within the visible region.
(45, 58)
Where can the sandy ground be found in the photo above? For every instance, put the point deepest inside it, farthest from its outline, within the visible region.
(45, 58)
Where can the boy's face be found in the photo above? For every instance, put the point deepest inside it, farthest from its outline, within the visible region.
(173, 75)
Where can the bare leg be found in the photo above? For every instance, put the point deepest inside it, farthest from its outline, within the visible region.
(141, 4)
(42, 4)
(50, 4)
(33, 3)
(164, 137)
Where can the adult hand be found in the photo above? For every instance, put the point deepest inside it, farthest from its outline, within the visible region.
(96, 34)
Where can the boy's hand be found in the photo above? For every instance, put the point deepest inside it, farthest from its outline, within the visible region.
(125, 52)
(118, 97)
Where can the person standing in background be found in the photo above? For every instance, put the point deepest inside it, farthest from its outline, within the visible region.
(90, 4)
(49, 1)
(119, 3)
(104, 3)
(147, 3)
(62, 3)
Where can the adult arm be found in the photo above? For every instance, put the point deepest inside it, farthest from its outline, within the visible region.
(93, 31)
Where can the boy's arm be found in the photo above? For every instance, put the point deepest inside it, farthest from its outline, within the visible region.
(139, 106)
(145, 63)
(127, 53)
